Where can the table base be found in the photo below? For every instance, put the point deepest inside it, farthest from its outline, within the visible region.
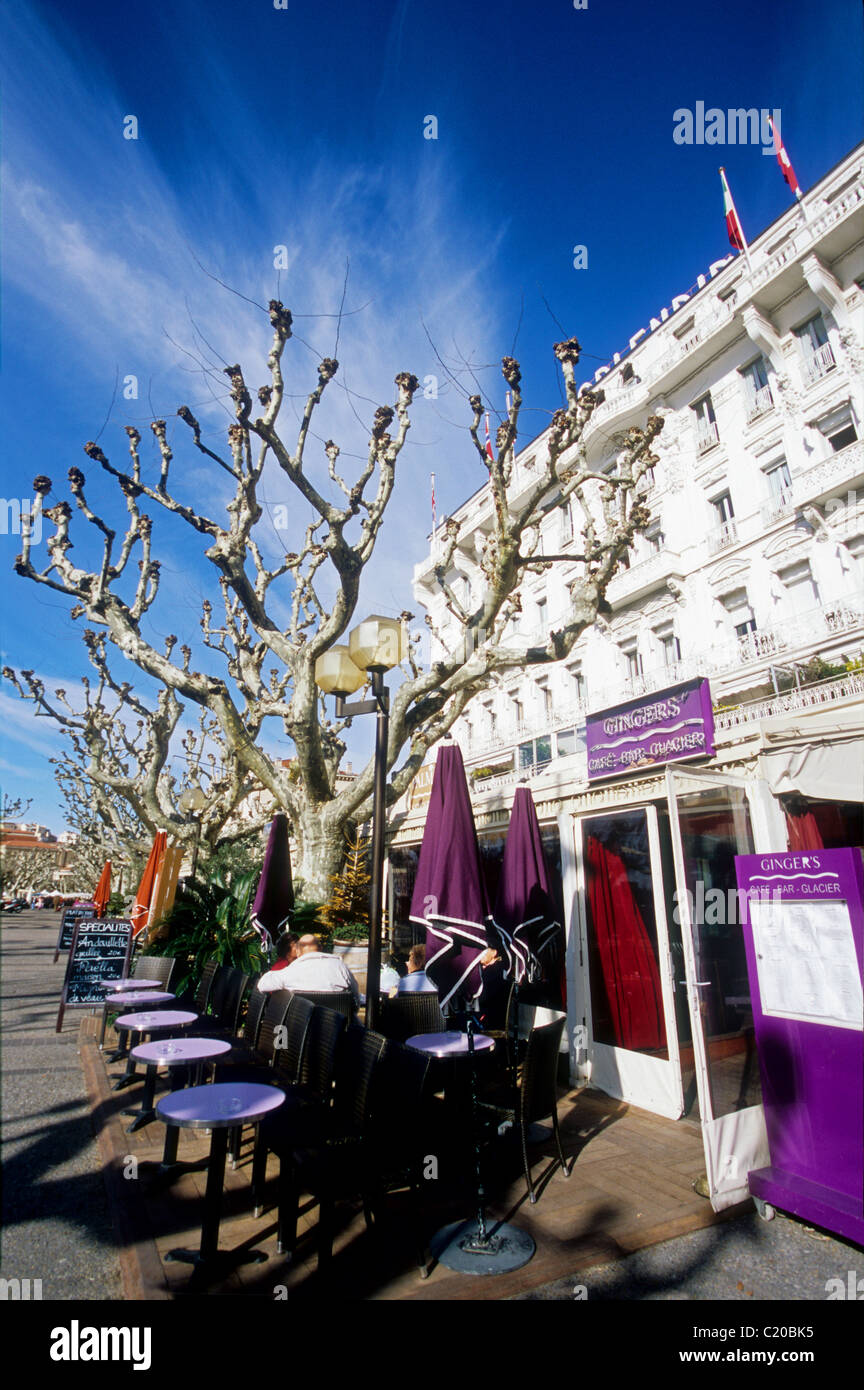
(217, 1265)
(459, 1247)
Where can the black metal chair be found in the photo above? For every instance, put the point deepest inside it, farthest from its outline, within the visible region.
(537, 1093)
(226, 998)
(408, 1014)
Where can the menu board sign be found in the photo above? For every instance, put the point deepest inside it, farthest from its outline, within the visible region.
(81, 912)
(100, 951)
(667, 727)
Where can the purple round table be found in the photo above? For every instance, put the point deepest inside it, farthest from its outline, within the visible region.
(147, 1022)
(218, 1108)
(120, 999)
(170, 1052)
(447, 1045)
(129, 982)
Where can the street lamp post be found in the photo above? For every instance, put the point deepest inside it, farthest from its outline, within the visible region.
(375, 646)
(193, 799)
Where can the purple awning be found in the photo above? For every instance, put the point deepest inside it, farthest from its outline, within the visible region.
(525, 912)
(274, 897)
(449, 893)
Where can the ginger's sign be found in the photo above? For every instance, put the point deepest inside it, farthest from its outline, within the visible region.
(666, 727)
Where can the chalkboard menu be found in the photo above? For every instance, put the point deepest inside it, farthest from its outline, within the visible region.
(81, 912)
(100, 951)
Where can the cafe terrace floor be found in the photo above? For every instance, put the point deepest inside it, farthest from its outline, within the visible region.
(631, 1187)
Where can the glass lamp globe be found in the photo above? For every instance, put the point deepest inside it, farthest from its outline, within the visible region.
(378, 643)
(193, 799)
(336, 673)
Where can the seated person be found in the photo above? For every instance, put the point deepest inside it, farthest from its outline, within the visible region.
(286, 953)
(494, 991)
(416, 981)
(389, 979)
(318, 971)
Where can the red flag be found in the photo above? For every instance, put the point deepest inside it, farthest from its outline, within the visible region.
(733, 223)
(783, 160)
(489, 452)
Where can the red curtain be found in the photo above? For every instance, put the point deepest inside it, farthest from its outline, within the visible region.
(803, 830)
(626, 956)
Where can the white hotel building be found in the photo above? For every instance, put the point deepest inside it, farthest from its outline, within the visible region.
(751, 574)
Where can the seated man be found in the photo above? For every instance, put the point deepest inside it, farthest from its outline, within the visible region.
(416, 981)
(286, 953)
(319, 972)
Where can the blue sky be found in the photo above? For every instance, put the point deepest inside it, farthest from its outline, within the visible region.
(304, 127)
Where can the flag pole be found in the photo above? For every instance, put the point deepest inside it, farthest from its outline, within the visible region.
(739, 229)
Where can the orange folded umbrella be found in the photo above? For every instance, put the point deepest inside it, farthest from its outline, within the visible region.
(144, 896)
(103, 890)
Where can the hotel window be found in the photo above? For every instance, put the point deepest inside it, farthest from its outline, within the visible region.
(706, 423)
(577, 682)
(632, 658)
(518, 712)
(737, 605)
(655, 538)
(723, 509)
(757, 392)
(778, 477)
(802, 592)
(566, 515)
(840, 435)
(670, 647)
(542, 615)
(545, 698)
(818, 354)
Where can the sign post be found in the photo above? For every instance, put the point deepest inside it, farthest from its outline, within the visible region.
(803, 921)
(100, 951)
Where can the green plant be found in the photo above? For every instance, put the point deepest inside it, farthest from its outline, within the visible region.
(345, 915)
(210, 920)
(116, 904)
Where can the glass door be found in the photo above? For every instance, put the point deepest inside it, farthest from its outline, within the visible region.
(710, 821)
(625, 987)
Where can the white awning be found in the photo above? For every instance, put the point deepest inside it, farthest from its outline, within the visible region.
(821, 771)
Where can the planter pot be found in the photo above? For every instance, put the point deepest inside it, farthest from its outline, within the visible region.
(354, 954)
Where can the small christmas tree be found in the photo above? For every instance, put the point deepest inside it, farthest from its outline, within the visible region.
(346, 914)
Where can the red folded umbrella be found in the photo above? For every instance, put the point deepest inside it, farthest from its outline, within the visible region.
(144, 896)
(103, 890)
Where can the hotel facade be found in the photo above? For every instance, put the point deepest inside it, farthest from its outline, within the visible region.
(746, 593)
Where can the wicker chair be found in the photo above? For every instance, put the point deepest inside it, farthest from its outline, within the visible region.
(537, 1093)
(408, 1014)
(341, 1001)
(159, 968)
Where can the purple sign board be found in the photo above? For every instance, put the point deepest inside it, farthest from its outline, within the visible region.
(666, 727)
(803, 924)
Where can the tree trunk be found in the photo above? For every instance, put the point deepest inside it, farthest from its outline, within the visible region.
(322, 848)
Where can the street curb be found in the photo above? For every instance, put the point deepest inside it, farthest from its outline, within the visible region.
(140, 1266)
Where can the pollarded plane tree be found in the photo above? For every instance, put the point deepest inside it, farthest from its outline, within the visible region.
(116, 771)
(267, 665)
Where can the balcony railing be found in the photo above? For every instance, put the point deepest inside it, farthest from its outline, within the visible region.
(722, 536)
(758, 403)
(817, 364)
(707, 435)
(805, 628)
(791, 701)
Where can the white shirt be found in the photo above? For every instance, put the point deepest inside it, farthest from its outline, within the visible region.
(273, 980)
(315, 970)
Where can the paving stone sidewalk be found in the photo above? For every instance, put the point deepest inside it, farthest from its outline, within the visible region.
(56, 1222)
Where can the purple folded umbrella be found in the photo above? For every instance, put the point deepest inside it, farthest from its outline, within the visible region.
(449, 893)
(274, 897)
(525, 913)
